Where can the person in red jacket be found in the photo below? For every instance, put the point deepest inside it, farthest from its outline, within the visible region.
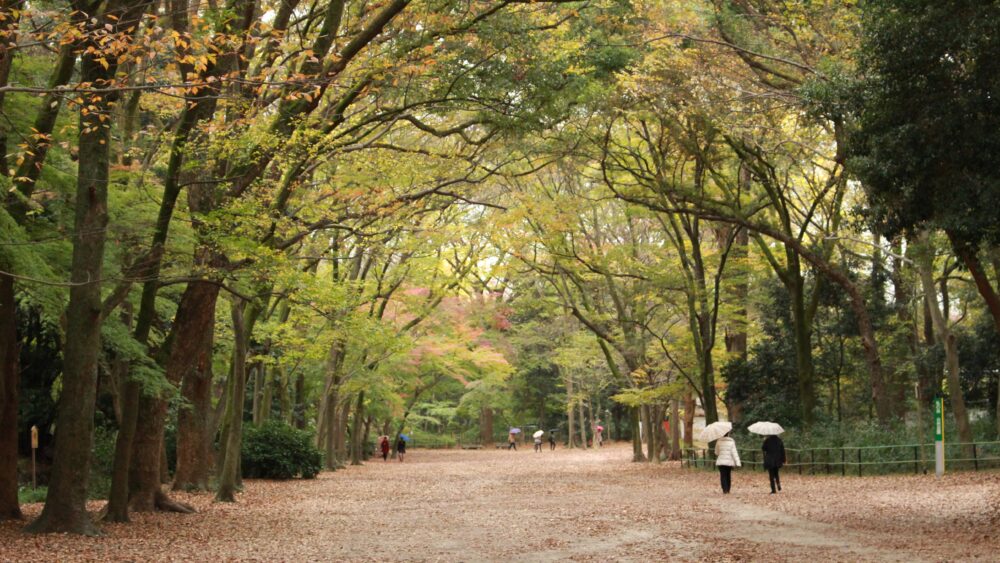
(383, 444)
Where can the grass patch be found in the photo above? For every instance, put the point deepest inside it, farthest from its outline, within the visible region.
(27, 495)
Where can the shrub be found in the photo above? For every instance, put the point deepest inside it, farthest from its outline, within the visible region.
(276, 450)
(27, 495)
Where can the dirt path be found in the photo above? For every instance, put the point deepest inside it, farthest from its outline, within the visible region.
(563, 505)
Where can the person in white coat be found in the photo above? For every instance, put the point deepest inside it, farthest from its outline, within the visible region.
(726, 458)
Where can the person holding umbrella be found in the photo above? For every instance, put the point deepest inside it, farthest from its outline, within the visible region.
(726, 455)
(401, 447)
(774, 450)
(552, 441)
(538, 440)
(512, 439)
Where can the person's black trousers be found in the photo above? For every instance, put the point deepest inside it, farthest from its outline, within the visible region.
(772, 473)
(726, 476)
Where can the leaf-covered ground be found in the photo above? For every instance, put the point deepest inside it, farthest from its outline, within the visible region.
(563, 505)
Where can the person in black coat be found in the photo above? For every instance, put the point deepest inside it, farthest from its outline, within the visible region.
(774, 458)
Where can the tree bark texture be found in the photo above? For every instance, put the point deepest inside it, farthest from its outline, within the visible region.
(194, 435)
(189, 357)
(66, 503)
(9, 379)
(234, 410)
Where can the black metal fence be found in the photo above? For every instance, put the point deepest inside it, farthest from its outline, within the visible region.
(862, 460)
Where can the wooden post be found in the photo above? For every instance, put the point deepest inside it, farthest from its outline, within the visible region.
(975, 458)
(34, 446)
(843, 463)
(916, 460)
(859, 462)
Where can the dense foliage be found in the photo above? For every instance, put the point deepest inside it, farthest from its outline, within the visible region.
(256, 231)
(276, 450)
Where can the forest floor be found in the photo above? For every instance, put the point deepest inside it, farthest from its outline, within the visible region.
(596, 505)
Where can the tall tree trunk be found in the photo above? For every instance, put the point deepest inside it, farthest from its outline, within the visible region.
(802, 329)
(284, 397)
(359, 411)
(257, 407)
(675, 430)
(486, 426)
(583, 425)
(9, 376)
(189, 357)
(591, 424)
(736, 331)
(925, 264)
(366, 438)
(299, 410)
(11, 13)
(652, 435)
(66, 503)
(194, 437)
(340, 433)
(117, 508)
(570, 426)
(233, 439)
(270, 379)
(633, 415)
(689, 408)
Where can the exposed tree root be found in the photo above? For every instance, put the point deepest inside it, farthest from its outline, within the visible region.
(166, 504)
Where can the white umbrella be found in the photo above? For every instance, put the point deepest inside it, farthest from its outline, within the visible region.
(714, 431)
(538, 434)
(765, 428)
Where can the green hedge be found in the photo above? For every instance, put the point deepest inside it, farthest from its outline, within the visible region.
(276, 450)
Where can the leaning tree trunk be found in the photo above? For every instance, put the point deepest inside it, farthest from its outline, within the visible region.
(66, 503)
(234, 410)
(583, 425)
(8, 401)
(188, 356)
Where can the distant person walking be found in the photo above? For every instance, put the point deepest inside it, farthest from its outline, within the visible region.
(538, 443)
(599, 436)
(726, 458)
(383, 445)
(511, 442)
(774, 458)
(401, 448)
(552, 441)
